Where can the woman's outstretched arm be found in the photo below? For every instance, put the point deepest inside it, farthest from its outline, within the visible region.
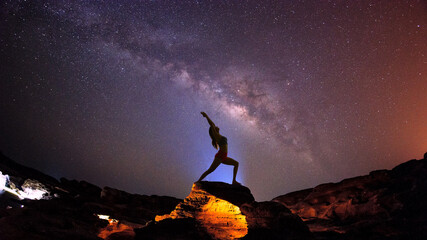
(209, 120)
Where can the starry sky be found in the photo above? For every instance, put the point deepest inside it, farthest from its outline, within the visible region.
(306, 92)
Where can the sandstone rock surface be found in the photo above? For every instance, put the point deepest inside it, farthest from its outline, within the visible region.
(386, 204)
(224, 211)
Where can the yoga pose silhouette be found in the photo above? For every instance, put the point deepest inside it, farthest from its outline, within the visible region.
(221, 156)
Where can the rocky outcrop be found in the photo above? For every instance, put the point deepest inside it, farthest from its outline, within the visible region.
(214, 206)
(222, 211)
(72, 208)
(385, 204)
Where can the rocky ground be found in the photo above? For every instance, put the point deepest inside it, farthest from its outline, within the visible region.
(70, 209)
(386, 204)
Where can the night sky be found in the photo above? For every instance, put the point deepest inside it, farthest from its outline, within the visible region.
(306, 92)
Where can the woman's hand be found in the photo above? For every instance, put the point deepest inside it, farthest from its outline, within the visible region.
(209, 120)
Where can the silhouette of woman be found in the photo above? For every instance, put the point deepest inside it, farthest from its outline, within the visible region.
(221, 156)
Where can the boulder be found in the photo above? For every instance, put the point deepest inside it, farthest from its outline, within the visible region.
(223, 211)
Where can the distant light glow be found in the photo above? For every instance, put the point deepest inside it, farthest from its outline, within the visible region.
(104, 217)
(107, 217)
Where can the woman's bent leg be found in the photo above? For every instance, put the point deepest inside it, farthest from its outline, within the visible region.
(230, 161)
(213, 166)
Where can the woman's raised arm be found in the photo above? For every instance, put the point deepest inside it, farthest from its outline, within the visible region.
(209, 120)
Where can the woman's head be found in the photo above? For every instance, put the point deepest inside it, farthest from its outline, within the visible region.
(214, 143)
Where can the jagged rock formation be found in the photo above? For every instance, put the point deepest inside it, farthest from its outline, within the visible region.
(386, 204)
(222, 211)
(71, 211)
(382, 205)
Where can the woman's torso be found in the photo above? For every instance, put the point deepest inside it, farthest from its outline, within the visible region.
(223, 144)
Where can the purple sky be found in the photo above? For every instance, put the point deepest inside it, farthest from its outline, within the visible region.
(306, 92)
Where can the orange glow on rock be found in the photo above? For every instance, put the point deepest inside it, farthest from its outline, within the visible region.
(113, 227)
(220, 218)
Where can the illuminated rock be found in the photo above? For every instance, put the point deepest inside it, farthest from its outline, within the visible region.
(220, 218)
(226, 211)
(3, 180)
(116, 229)
(31, 189)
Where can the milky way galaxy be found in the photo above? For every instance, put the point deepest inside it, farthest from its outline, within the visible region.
(305, 91)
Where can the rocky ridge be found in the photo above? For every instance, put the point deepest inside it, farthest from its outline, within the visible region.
(386, 204)
(70, 208)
